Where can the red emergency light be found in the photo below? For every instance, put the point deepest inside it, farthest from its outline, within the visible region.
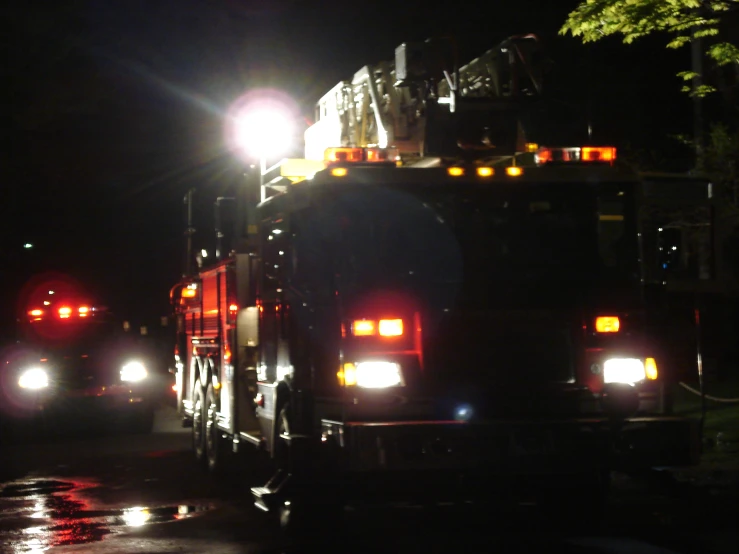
(574, 154)
(65, 311)
(189, 293)
(344, 155)
(355, 154)
(383, 327)
(598, 153)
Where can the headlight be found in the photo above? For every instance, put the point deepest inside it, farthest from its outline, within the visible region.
(624, 370)
(34, 379)
(133, 372)
(371, 375)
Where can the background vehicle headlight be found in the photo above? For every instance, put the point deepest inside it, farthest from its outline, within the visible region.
(133, 371)
(623, 370)
(371, 375)
(463, 412)
(34, 379)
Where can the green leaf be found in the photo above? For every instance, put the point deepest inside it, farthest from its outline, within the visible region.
(687, 75)
(724, 53)
(679, 20)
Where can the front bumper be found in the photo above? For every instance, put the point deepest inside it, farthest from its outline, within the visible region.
(89, 402)
(452, 461)
(513, 447)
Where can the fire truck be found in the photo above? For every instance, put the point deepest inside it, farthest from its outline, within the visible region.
(430, 305)
(74, 363)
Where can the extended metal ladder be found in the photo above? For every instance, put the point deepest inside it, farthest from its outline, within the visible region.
(410, 104)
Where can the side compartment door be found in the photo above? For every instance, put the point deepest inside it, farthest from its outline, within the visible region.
(187, 302)
(274, 259)
(189, 362)
(180, 360)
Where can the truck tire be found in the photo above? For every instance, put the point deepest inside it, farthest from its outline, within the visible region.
(198, 424)
(216, 447)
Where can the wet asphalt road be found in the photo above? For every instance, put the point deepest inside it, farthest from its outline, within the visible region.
(86, 492)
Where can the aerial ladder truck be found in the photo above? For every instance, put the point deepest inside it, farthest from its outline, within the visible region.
(431, 305)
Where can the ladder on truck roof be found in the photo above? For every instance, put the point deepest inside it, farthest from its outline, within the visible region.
(424, 106)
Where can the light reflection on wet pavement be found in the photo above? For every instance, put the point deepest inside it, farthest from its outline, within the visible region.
(38, 514)
(140, 495)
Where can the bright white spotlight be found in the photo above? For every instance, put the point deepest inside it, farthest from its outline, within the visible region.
(264, 133)
(33, 379)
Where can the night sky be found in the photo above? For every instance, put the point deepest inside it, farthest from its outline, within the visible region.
(116, 109)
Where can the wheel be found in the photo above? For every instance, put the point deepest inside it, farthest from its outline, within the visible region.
(216, 447)
(198, 424)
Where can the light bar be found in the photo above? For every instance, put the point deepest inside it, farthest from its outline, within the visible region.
(344, 155)
(382, 155)
(571, 154)
(598, 153)
(548, 155)
(354, 154)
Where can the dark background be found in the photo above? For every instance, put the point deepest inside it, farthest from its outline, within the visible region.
(116, 109)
